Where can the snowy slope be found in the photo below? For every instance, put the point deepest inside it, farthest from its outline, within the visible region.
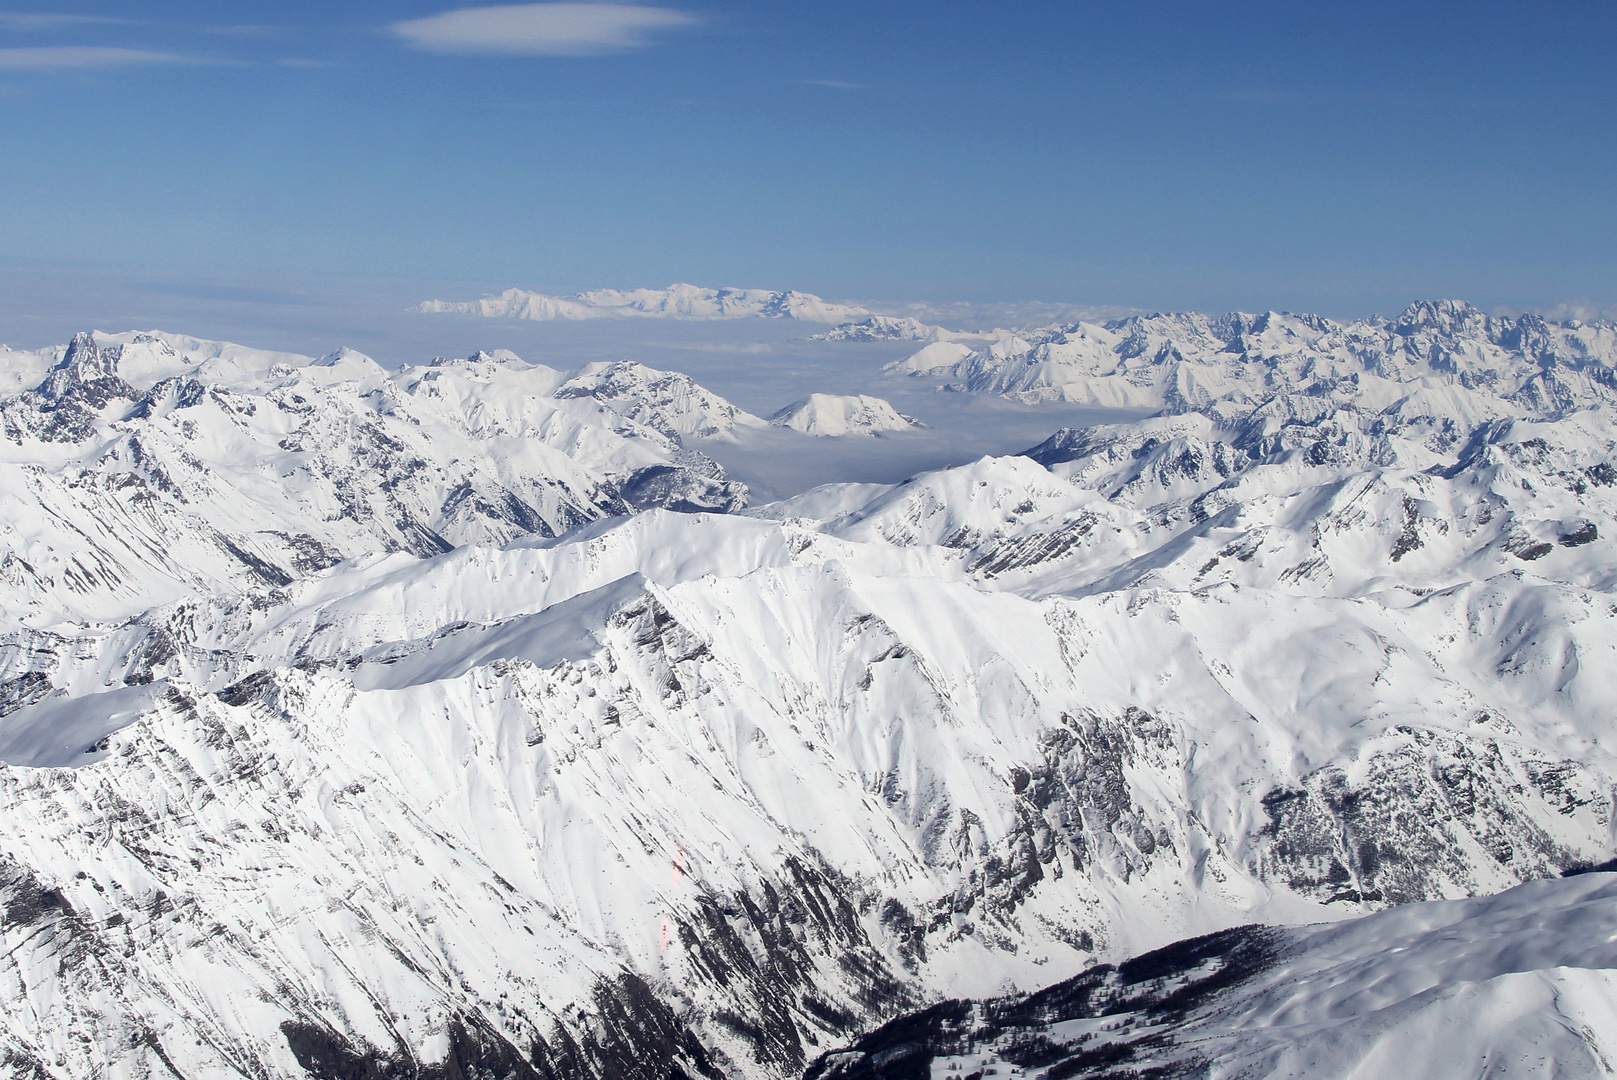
(1523, 984)
(675, 749)
(842, 414)
(21, 369)
(676, 301)
(725, 791)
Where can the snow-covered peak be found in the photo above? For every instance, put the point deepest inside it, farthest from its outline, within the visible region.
(842, 414)
(148, 357)
(482, 364)
(1454, 318)
(979, 730)
(22, 369)
(85, 363)
(676, 301)
(344, 365)
(669, 402)
(146, 467)
(140, 358)
(935, 356)
(886, 328)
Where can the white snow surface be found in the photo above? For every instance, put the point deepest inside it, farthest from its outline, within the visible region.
(1523, 984)
(676, 301)
(1519, 985)
(288, 777)
(842, 414)
(667, 401)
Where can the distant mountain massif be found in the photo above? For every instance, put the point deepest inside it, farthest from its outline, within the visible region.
(676, 301)
(466, 720)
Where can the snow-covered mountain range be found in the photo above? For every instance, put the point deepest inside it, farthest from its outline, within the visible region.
(522, 782)
(146, 467)
(676, 301)
(1231, 364)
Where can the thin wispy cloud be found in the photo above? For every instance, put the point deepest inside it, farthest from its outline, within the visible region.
(17, 20)
(85, 57)
(21, 22)
(834, 84)
(559, 29)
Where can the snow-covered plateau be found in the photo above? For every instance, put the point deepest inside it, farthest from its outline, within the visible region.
(461, 719)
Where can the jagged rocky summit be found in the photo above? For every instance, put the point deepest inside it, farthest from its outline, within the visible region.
(722, 792)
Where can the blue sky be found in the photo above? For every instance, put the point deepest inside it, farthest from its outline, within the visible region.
(1333, 157)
